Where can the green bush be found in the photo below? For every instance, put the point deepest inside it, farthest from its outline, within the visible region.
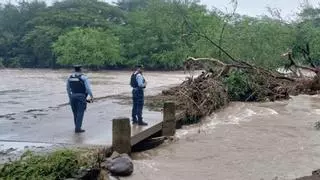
(58, 165)
(238, 84)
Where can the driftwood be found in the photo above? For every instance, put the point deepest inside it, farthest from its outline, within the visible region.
(207, 92)
(208, 65)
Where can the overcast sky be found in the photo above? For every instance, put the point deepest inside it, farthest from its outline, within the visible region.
(259, 7)
(250, 7)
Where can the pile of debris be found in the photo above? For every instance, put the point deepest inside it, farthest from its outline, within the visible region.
(199, 96)
(220, 83)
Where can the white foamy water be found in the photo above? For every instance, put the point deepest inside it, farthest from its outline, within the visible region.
(235, 113)
(272, 140)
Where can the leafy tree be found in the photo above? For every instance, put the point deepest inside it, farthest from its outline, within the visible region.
(87, 46)
(261, 41)
(307, 46)
(156, 33)
(40, 40)
(13, 25)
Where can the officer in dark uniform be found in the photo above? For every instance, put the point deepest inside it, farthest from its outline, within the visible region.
(138, 84)
(78, 88)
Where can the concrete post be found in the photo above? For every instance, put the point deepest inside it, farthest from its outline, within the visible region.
(169, 119)
(121, 135)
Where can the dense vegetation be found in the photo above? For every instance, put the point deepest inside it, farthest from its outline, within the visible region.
(58, 165)
(156, 33)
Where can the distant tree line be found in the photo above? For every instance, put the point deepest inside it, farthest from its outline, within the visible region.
(159, 34)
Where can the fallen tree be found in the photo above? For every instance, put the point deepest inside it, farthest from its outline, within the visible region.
(233, 80)
(220, 82)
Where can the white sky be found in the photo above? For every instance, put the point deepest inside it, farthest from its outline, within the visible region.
(248, 7)
(259, 7)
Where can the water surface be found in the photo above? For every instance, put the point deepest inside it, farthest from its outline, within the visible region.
(27, 89)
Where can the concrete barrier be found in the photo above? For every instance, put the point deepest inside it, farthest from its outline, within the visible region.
(169, 119)
(121, 129)
(121, 135)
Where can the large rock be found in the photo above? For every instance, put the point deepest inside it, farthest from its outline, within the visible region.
(119, 165)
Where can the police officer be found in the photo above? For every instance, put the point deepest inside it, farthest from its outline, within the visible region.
(78, 88)
(138, 84)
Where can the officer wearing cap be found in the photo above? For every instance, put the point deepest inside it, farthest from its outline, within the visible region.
(138, 84)
(78, 88)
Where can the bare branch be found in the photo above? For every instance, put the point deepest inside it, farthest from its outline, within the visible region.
(226, 20)
(193, 62)
(201, 34)
(297, 66)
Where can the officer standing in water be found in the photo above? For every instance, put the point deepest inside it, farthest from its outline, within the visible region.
(138, 84)
(78, 88)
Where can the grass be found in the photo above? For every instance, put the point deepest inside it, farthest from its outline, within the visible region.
(54, 166)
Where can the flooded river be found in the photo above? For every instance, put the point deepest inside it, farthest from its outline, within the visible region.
(23, 90)
(273, 140)
(245, 141)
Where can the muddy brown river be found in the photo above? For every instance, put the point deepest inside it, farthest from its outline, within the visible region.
(29, 89)
(272, 140)
(245, 141)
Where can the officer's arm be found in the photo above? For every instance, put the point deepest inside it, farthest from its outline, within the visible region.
(88, 86)
(68, 89)
(140, 80)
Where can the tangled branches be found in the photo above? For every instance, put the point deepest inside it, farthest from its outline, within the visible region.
(200, 96)
(239, 81)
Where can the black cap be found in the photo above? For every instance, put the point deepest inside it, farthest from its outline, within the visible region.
(139, 66)
(77, 67)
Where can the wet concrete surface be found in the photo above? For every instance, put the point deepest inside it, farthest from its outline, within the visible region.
(56, 126)
(245, 141)
(54, 129)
